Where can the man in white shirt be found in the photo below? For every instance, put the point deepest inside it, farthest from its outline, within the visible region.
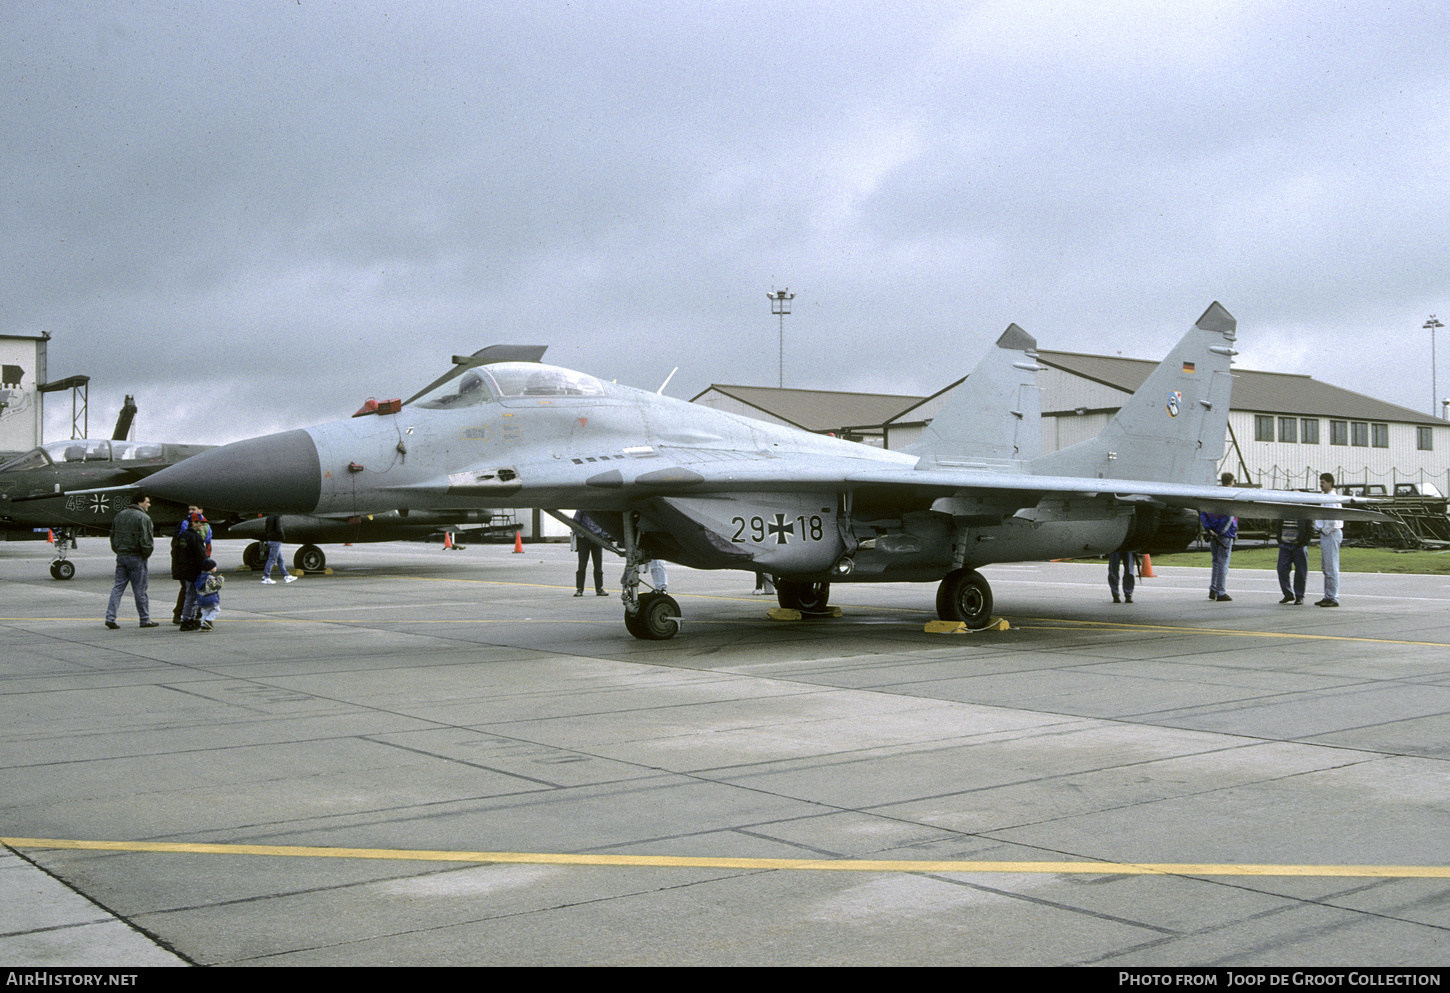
(1331, 533)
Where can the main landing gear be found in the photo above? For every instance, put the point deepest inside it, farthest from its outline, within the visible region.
(808, 598)
(309, 558)
(647, 616)
(63, 568)
(964, 596)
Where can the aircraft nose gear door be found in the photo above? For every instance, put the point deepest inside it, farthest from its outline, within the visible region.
(649, 616)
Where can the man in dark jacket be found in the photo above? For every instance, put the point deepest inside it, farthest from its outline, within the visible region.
(188, 552)
(1294, 556)
(132, 541)
(273, 535)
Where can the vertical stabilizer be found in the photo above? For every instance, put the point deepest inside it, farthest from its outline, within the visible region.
(1173, 428)
(994, 415)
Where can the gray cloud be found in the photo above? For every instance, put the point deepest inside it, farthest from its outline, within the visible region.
(256, 214)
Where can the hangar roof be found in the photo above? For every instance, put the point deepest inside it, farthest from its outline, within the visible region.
(1253, 392)
(817, 410)
(1263, 392)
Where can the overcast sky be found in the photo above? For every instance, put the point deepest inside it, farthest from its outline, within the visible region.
(254, 215)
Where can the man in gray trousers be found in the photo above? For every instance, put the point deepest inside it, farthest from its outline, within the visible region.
(132, 541)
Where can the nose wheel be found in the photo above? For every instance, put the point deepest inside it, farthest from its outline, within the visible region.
(657, 619)
(647, 616)
(63, 568)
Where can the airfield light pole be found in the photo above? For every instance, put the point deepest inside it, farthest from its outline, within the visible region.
(780, 306)
(1431, 325)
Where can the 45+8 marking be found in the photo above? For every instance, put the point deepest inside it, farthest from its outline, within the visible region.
(781, 529)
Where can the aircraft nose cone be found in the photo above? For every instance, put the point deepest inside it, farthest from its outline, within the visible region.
(276, 473)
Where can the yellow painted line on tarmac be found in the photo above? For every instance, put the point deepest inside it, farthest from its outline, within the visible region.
(709, 862)
(1174, 629)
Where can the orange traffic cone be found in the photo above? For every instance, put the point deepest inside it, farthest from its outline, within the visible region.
(1146, 572)
(518, 543)
(447, 540)
(50, 537)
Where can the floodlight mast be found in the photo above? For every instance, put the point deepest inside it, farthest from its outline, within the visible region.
(780, 305)
(1431, 326)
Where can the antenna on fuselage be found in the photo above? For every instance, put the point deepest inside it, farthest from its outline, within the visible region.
(667, 380)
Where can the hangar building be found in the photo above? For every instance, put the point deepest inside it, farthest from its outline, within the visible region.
(1283, 431)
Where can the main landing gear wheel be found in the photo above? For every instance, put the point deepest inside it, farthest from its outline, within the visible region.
(964, 596)
(62, 569)
(254, 556)
(656, 619)
(808, 598)
(309, 558)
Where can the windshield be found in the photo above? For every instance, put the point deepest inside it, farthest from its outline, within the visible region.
(467, 390)
(510, 379)
(33, 459)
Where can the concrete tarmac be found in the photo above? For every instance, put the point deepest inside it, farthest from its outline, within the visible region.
(444, 758)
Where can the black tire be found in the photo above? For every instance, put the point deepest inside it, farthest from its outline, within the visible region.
(254, 556)
(654, 619)
(964, 596)
(309, 558)
(808, 598)
(62, 569)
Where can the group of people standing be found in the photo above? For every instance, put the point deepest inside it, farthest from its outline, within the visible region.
(1293, 565)
(198, 600)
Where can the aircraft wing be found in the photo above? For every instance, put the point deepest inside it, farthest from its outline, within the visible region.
(700, 473)
(1239, 501)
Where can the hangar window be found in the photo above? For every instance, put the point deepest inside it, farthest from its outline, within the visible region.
(1339, 432)
(1379, 435)
(1288, 429)
(1359, 434)
(1309, 430)
(1263, 427)
(1425, 439)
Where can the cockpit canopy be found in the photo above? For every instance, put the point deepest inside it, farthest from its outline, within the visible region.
(506, 380)
(84, 450)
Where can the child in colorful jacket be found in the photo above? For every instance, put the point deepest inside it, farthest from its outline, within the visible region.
(209, 593)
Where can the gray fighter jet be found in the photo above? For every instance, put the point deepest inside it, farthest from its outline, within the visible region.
(710, 490)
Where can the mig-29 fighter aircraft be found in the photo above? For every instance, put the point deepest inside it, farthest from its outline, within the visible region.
(711, 490)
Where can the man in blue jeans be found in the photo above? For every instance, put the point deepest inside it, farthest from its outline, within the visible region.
(132, 540)
(1222, 529)
(1331, 533)
(273, 535)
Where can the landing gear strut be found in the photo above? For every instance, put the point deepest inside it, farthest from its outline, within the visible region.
(63, 568)
(964, 596)
(647, 616)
